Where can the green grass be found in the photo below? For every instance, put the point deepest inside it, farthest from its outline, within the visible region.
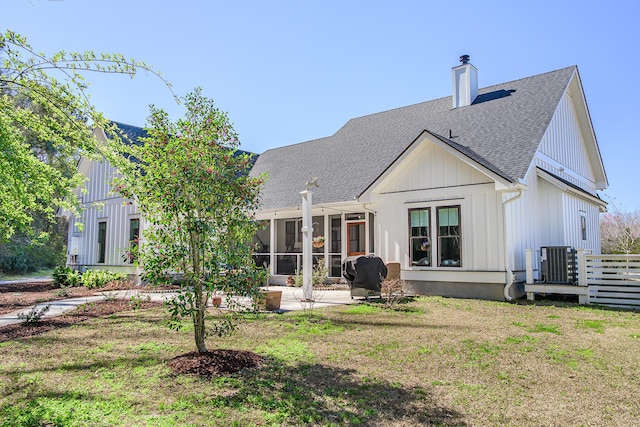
(450, 363)
(40, 273)
(593, 324)
(541, 327)
(363, 309)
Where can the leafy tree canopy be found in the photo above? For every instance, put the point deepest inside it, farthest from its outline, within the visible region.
(42, 98)
(194, 189)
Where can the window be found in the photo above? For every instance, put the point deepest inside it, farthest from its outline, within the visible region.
(419, 236)
(134, 236)
(102, 241)
(449, 236)
(336, 234)
(583, 224)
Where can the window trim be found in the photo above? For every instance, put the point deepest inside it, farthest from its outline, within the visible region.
(102, 248)
(434, 233)
(459, 235)
(428, 236)
(131, 257)
(583, 226)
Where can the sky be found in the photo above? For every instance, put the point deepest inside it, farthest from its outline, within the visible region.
(293, 71)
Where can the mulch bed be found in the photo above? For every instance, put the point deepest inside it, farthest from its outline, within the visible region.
(214, 363)
(16, 296)
(81, 314)
(19, 295)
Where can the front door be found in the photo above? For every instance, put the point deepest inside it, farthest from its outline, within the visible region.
(356, 238)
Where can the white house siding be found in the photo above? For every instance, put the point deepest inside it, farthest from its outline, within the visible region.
(431, 177)
(554, 211)
(550, 214)
(520, 219)
(99, 204)
(563, 150)
(572, 208)
(99, 174)
(430, 167)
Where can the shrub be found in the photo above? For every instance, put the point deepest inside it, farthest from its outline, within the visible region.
(392, 291)
(318, 276)
(65, 276)
(100, 278)
(34, 315)
(63, 291)
(320, 273)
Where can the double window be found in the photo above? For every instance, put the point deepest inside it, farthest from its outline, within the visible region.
(443, 242)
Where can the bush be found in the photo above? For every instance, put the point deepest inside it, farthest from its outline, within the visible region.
(318, 276)
(320, 273)
(65, 276)
(99, 278)
(392, 291)
(34, 315)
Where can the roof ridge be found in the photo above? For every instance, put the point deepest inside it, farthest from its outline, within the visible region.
(466, 151)
(529, 77)
(443, 97)
(126, 124)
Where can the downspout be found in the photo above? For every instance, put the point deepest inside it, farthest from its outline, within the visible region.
(509, 279)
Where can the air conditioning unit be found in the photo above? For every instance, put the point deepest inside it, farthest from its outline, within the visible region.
(559, 265)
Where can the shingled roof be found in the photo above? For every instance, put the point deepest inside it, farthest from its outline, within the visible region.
(501, 130)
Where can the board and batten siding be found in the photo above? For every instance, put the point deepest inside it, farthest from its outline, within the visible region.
(547, 215)
(100, 204)
(563, 150)
(573, 207)
(431, 177)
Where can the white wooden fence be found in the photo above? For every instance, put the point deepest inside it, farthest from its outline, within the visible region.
(610, 280)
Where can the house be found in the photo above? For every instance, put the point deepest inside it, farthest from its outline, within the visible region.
(454, 189)
(108, 224)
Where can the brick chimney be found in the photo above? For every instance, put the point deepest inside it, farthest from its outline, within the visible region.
(465, 83)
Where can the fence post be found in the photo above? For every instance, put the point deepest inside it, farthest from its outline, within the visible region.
(582, 275)
(528, 262)
(529, 265)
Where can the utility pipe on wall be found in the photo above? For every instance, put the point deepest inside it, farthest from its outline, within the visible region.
(508, 272)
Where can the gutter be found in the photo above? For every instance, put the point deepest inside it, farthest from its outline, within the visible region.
(509, 276)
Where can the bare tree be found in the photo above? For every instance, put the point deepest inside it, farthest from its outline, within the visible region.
(620, 232)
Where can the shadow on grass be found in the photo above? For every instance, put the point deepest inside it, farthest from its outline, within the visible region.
(571, 302)
(318, 394)
(299, 394)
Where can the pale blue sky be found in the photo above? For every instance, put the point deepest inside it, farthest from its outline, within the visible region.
(292, 71)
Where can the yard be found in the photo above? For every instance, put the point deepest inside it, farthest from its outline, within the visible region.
(435, 361)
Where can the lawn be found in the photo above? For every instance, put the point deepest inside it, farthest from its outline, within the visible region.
(38, 274)
(437, 361)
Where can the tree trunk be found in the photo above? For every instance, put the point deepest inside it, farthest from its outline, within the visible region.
(200, 305)
(198, 318)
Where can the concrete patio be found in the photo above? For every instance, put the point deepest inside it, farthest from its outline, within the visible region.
(291, 301)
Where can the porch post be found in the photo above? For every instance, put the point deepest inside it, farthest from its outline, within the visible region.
(307, 237)
(272, 247)
(327, 233)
